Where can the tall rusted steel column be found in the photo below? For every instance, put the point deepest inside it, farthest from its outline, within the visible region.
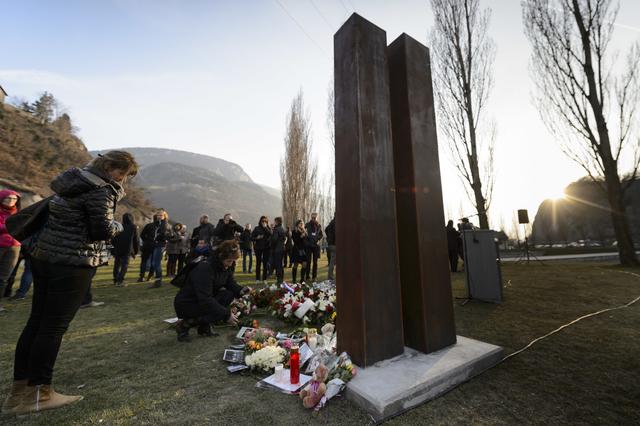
(368, 284)
(424, 269)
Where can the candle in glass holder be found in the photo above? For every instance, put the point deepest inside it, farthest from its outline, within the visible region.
(279, 373)
(312, 338)
(294, 365)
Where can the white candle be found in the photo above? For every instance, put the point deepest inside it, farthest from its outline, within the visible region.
(279, 373)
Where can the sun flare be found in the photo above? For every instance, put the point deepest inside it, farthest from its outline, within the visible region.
(559, 195)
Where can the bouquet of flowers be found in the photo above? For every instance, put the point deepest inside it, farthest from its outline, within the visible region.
(266, 358)
(343, 369)
(265, 297)
(244, 305)
(301, 303)
(255, 340)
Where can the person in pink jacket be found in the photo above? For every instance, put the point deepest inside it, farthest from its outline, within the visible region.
(9, 246)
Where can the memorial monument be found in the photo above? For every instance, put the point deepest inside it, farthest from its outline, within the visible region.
(390, 227)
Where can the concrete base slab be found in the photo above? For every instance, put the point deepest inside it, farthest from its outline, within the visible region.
(393, 386)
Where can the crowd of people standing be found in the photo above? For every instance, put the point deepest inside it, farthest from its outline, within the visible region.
(266, 249)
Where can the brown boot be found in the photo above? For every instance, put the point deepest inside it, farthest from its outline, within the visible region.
(43, 397)
(18, 389)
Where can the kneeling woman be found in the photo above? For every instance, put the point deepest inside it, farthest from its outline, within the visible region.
(208, 292)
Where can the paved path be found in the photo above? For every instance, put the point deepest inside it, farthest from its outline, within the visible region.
(584, 256)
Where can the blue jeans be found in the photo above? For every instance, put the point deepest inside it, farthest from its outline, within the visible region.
(120, 266)
(145, 262)
(156, 262)
(26, 280)
(246, 253)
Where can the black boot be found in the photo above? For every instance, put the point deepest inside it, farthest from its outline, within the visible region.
(182, 328)
(205, 330)
(294, 273)
(141, 279)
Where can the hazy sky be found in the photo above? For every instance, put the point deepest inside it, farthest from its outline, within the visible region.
(217, 77)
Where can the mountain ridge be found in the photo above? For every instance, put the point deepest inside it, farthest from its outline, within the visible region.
(207, 185)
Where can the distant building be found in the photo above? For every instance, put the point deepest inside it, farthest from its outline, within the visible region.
(3, 94)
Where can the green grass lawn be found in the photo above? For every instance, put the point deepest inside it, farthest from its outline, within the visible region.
(131, 370)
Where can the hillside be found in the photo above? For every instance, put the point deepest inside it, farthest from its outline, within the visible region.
(189, 185)
(33, 153)
(584, 215)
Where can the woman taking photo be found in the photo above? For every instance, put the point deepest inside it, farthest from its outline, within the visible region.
(299, 237)
(70, 247)
(177, 249)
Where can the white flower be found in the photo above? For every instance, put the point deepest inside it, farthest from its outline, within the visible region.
(266, 358)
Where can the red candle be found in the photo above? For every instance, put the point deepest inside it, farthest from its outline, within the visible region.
(294, 365)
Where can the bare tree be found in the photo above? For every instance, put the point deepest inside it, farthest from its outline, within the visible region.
(298, 168)
(462, 55)
(331, 116)
(329, 192)
(590, 110)
(326, 203)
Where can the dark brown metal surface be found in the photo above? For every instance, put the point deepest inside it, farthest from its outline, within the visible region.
(368, 286)
(424, 270)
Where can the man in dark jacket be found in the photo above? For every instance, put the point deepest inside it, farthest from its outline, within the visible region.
(314, 235)
(203, 232)
(227, 228)
(245, 247)
(278, 238)
(453, 239)
(330, 232)
(125, 245)
(155, 236)
(208, 292)
(261, 237)
(226, 231)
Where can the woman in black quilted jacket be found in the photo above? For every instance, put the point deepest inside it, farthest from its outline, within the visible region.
(72, 244)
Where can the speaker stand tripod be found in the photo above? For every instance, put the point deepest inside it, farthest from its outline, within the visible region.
(526, 254)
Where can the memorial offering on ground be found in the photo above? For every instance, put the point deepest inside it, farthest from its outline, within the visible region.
(302, 303)
(244, 306)
(265, 350)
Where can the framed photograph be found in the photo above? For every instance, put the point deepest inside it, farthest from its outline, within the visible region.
(233, 356)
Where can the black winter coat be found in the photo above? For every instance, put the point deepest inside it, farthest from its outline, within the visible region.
(227, 231)
(202, 232)
(80, 219)
(330, 232)
(300, 241)
(278, 238)
(453, 238)
(261, 237)
(204, 282)
(126, 243)
(155, 234)
(314, 233)
(245, 240)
